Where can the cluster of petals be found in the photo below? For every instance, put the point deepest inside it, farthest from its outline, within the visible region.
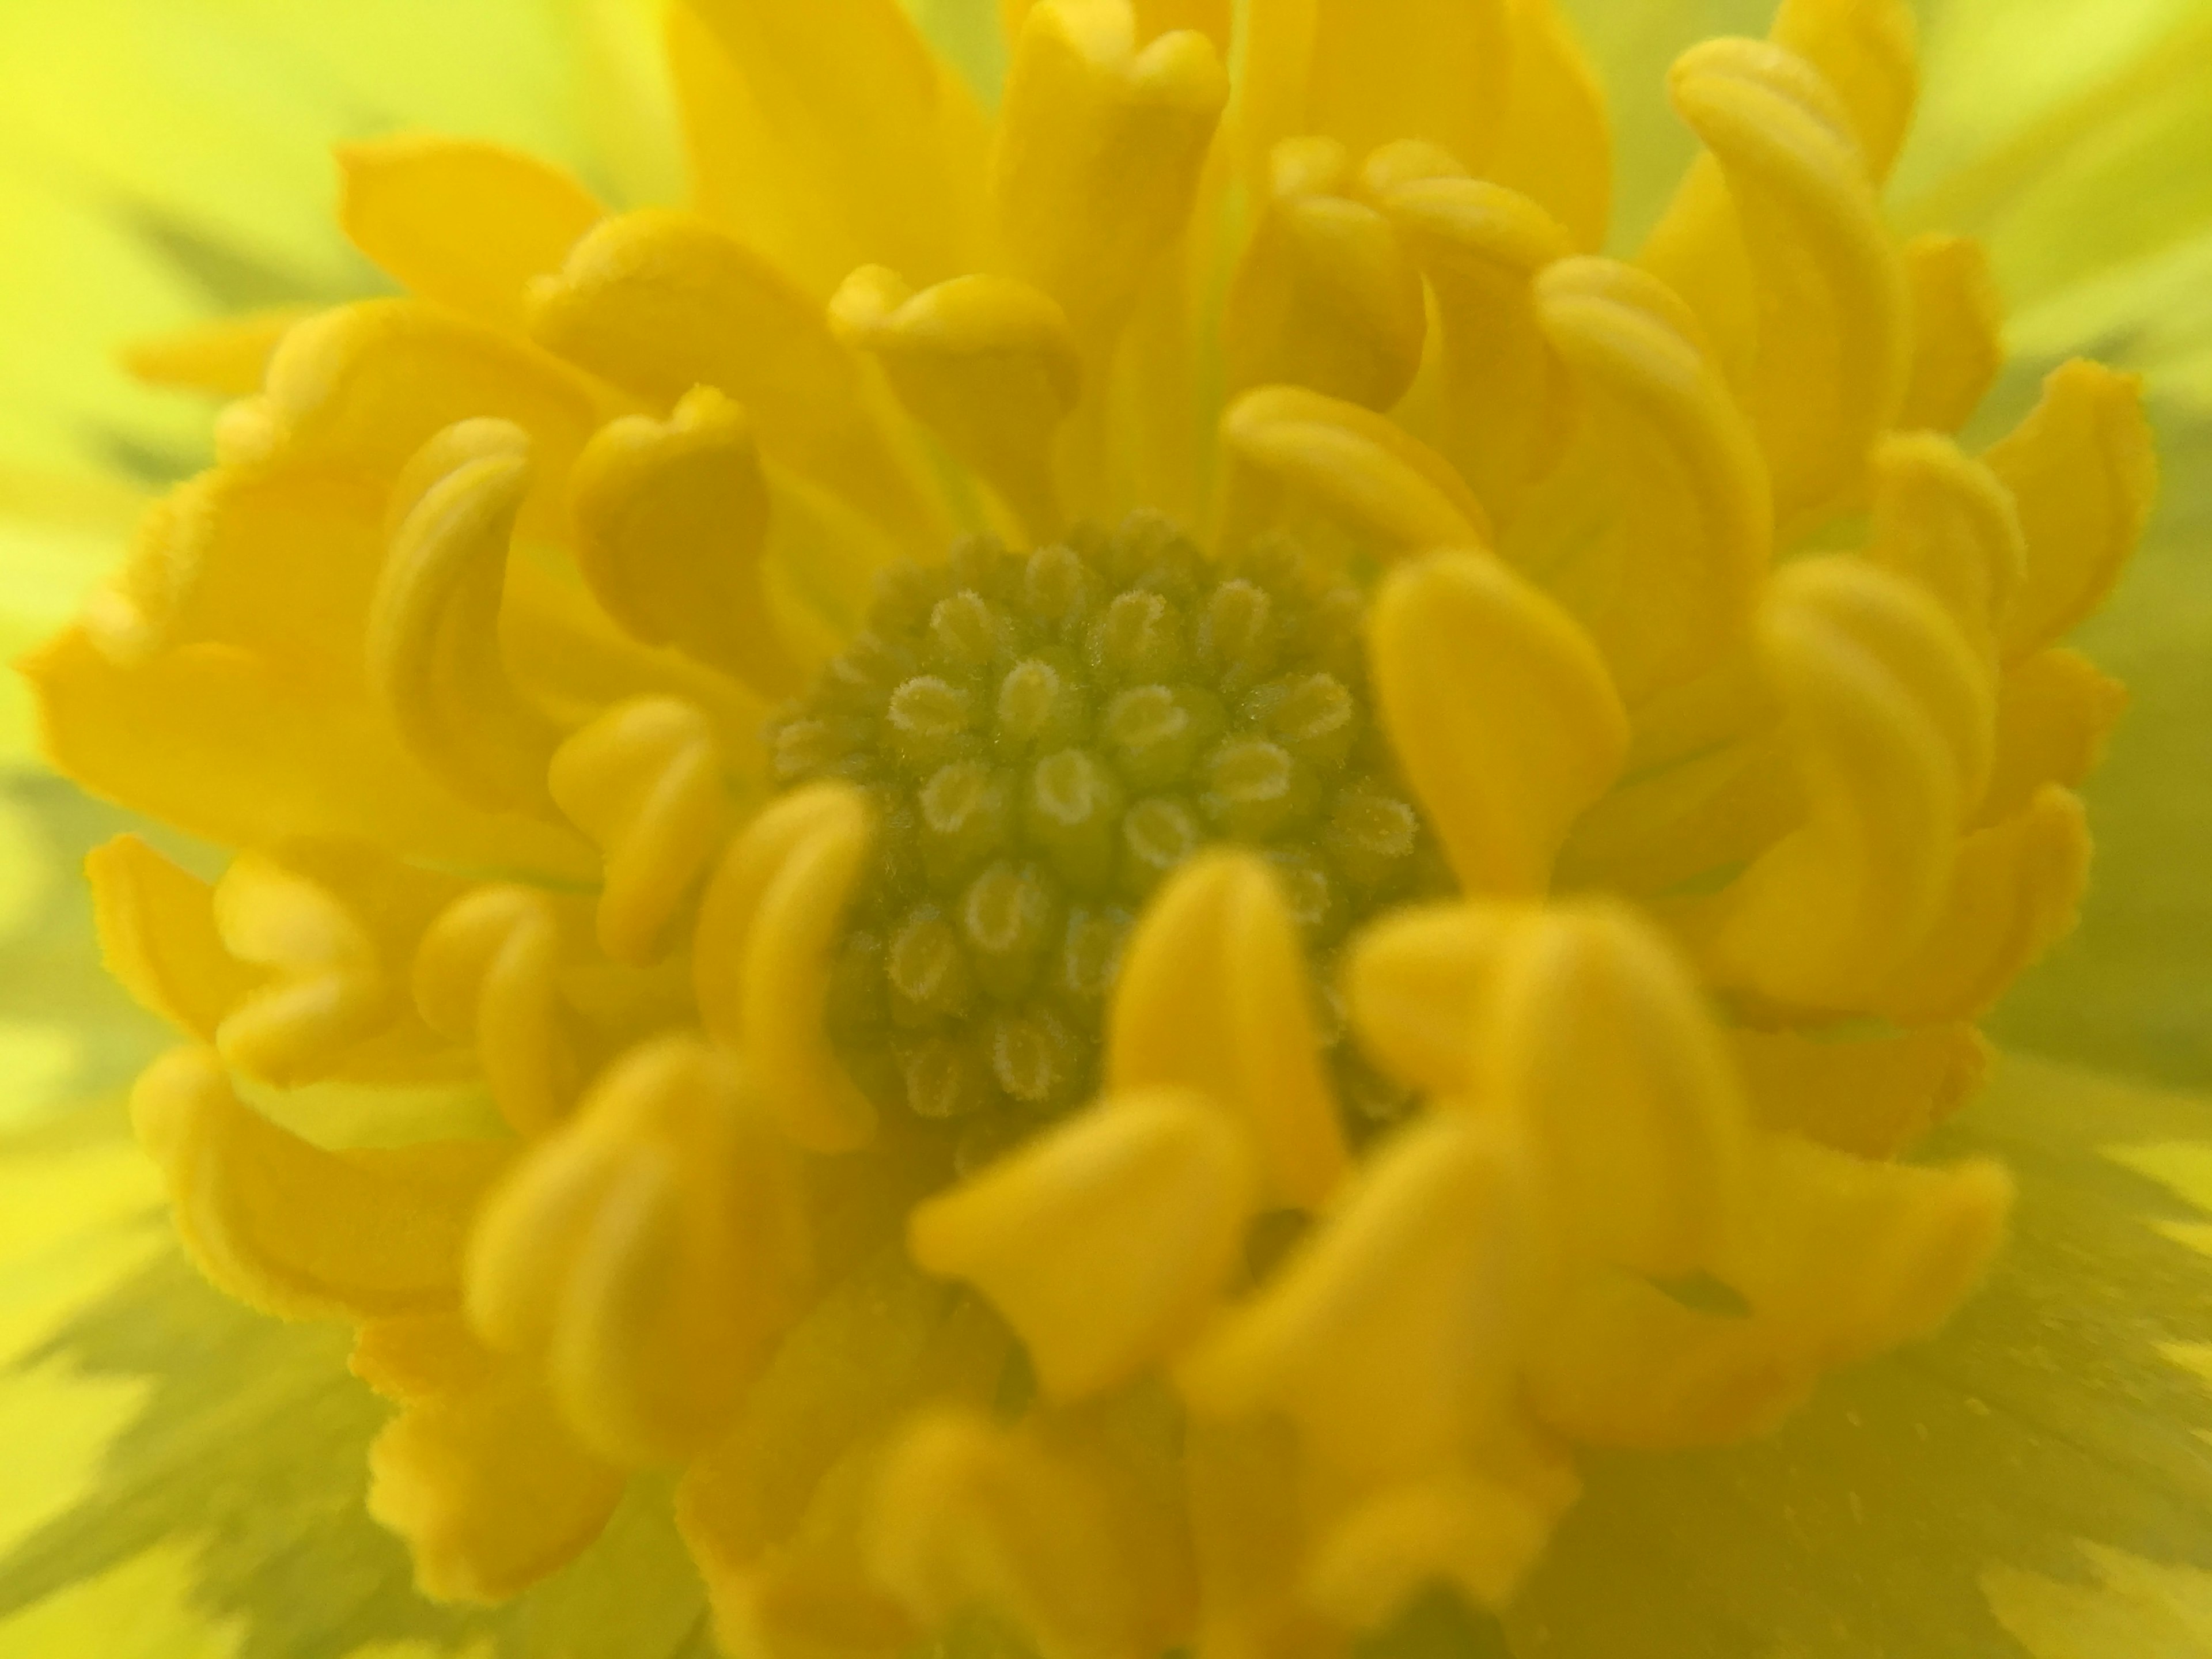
(1728, 682)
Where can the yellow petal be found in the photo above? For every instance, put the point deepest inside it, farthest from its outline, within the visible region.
(645, 782)
(298, 1231)
(1092, 116)
(851, 107)
(1347, 481)
(1664, 828)
(2015, 893)
(762, 957)
(1104, 1241)
(1957, 343)
(649, 1252)
(1865, 73)
(1834, 343)
(985, 363)
(477, 1472)
(1867, 53)
(433, 651)
(966, 1515)
(1505, 413)
(1655, 530)
(1392, 1337)
(774, 1515)
(486, 974)
(461, 221)
(1479, 1536)
(158, 936)
(1415, 981)
(1324, 295)
(1947, 523)
(1618, 1362)
(225, 355)
(1639, 1141)
(672, 520)
(220, 558)
(1500, 710)
(367, 386)
(1555, 147)
(1435, 69)
(2054, 709)
(1846, 1258)
(658, 302)
(1871, 1098)
(1213, 996)
(325, 986)
(2082, 470)
(1891, 720)
(213, 741)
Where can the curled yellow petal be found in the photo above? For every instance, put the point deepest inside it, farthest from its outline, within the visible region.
(2015, 893)
(1615, 1361)
(874, 135)
(1639, 1140)
(1556, 145)
(988, 363)
(660, 301)
(768, 924)
(1890, 719)
(1868, 52)
(1500, 710)
(217, 561)
(649, 1252)
(1324, 295)
(2083, 471)
(1478, 1535)
(435, 657)
(487, 974)
(1655, 530)
(672, 520)
(368, 385)
(968, 1514)
(1833, 343)
(1213, 996)
(158, 936)
(1870, 1098)
(1844, 1258)
(1415, 983)
(227, 746)
(1091, 115)
(298, 1231)
(1391, 1338)
(2055, 710)
(325, 987)
(645, 782)
(1104, 1241)
(1504, 413)
(459, 220)
(1945, 521)
(1344, 479)
(1957, 332)
(477, 1472)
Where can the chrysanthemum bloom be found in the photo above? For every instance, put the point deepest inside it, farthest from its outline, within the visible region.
(1172, 842)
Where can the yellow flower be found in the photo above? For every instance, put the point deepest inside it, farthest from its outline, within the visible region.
(1084, 871)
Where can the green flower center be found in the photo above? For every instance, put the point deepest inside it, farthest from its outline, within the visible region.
(1047, 735)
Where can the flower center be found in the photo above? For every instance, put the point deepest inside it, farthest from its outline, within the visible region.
(1047, 736)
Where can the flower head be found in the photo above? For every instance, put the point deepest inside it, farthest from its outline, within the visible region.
(1173, 843)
